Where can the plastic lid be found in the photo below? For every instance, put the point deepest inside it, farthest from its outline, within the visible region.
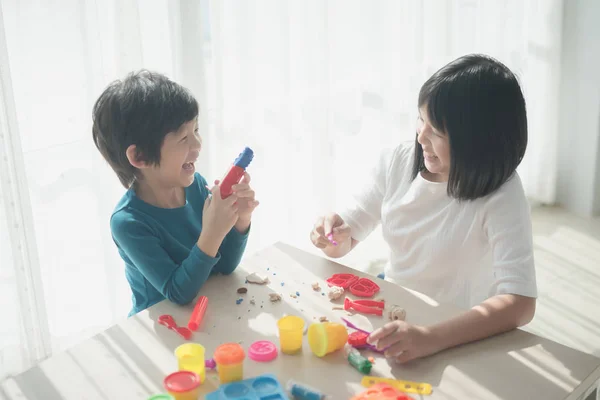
(182, 381)
(262, 351)
(243, 160)
(229, 353)
(161, 397)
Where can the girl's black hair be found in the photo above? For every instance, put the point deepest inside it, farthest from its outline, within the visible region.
(478, 103)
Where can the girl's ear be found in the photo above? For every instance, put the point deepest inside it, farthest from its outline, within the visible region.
(135, 158)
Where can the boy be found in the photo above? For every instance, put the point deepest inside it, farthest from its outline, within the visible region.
(171, 231)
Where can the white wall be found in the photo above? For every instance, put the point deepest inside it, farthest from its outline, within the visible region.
(578, 186)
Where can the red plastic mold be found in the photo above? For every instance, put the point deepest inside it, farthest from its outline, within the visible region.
(362, 287)
(169, 322)
(365, 306)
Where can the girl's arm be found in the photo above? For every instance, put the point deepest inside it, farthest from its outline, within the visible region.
(495, 315)
(498, 314)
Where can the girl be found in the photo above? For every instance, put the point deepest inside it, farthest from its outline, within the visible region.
(452, 209)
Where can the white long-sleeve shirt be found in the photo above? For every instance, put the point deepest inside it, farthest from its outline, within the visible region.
(457, 252)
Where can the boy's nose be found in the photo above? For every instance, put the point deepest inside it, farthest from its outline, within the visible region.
(197, 143)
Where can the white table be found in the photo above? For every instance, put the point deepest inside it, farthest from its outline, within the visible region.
(131, 359)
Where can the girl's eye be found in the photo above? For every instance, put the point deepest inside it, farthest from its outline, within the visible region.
(420, 123)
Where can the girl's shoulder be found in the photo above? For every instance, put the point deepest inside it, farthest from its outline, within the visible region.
(398, 159)
(507, 204)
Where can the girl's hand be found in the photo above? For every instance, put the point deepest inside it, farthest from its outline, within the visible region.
(333, 226)
(403, 341)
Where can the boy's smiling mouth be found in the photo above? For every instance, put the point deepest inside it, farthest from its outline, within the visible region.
(189, 166)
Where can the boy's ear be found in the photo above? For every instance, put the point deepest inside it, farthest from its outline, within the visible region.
(135, 158)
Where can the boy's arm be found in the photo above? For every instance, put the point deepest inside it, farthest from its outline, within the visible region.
(179, 283)
(232, 250)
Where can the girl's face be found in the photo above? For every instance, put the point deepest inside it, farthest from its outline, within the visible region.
(436, 148)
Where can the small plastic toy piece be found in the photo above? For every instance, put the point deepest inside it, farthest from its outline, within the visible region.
(327, 337)
(169, 322)
(300, 391)
(330, 238)
(403, 386)
(198, 313)
(262, 387)
(382, 391)
(183, 385)
(262, 351)
(236, 172)
(362, 287)
(210, 364)
(365, 306)
(362, 364)
(316, 287)
(230, 362)
(190, 357)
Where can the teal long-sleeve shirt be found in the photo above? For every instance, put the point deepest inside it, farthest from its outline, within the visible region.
(158, 245)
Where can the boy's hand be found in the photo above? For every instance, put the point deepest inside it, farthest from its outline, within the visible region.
(403, 341)
(218, 217)
(246, 202)
(332, 225)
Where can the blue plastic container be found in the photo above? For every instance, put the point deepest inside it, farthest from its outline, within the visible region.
(262, 387)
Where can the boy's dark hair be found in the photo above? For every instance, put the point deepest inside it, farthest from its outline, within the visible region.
(141, 110)
(478, 103)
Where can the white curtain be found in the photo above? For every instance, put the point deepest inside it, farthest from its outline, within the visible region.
(315, 87)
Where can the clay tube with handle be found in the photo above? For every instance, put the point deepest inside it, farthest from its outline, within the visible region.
(236, 172)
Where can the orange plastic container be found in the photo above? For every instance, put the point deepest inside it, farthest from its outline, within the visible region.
(230, 362)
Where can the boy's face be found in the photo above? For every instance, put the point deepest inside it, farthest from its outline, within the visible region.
(179, 152)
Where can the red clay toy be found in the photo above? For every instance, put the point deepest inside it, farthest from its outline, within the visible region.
(362, 287)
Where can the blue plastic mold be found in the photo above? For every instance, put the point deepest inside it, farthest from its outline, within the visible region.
(262, 387)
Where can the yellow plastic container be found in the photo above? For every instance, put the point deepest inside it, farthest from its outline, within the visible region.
(291, 330)
(183, 385)
(326, 338)
(230, 362)
(190, 357)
